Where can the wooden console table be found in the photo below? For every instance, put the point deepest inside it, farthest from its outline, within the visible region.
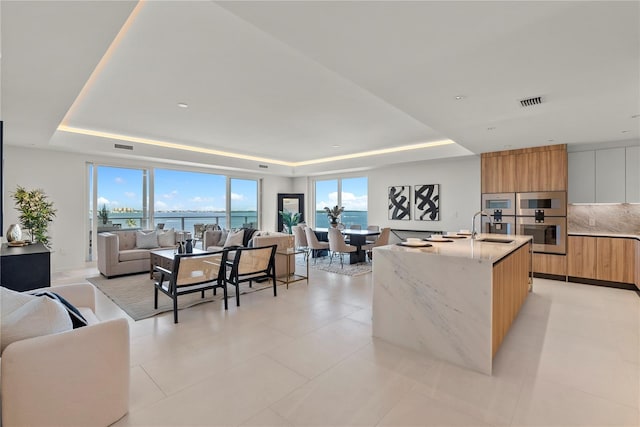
(25, 268)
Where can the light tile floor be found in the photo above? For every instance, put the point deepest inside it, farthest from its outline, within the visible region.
(307, 357)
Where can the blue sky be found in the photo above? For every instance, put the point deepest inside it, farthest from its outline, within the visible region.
(354, 194)
(174, 190)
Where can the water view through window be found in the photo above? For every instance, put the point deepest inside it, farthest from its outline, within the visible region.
(181, 199)
(352, 194)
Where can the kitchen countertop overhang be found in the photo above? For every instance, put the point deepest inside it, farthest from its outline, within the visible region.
(468, 248)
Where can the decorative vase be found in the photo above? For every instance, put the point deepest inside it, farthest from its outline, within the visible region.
(189, 247)
(14, 233)
(180, 247)
(334, 223)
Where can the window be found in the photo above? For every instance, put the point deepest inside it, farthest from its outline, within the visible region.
(183, 199)
(351, 193)
(354, 199)
(244, 203)
(326, 195)
(121, 200)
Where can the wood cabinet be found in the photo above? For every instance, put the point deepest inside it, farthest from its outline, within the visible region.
(581, 257)
(510, 290)
(529, 169)
(498, 173)
(615, 259)
(612, 259)
(550, 264)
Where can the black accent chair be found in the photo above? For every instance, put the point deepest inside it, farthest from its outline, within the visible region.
(249, 264)
(191, 273)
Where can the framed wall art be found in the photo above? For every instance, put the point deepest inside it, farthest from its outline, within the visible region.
(400, 202)
(427, 202)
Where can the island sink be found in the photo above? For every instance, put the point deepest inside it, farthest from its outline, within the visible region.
(493, 240)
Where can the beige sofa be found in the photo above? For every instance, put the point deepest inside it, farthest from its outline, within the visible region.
(79, 377)
(118, 254)
(214, 240)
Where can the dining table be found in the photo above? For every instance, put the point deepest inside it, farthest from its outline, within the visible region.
(357, 238)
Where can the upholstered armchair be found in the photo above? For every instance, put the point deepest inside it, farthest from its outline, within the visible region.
(75, 378)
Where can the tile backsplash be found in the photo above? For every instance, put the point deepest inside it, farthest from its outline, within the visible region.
(621, 218)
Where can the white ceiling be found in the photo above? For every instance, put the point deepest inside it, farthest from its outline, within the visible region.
(288, 81)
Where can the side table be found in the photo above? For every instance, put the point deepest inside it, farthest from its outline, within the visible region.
(292, 276)
(25, 268)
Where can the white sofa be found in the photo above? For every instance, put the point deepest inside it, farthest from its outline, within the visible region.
(75, 378)
(118, 254)
(214, 240)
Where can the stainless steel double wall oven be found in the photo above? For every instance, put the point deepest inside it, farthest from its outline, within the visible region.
(542, 215)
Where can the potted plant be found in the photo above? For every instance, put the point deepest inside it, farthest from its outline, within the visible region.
(333, 214)
(103, 214)
(35, 213)
(290, 219)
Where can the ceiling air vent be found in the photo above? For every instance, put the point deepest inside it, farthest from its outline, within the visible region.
(263, 166)
(531, 101)
(123, 147)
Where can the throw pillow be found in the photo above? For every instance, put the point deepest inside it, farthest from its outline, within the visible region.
(234, 238)
(223, 237)
(146, 240)
(27, 316)
(77, 319)
(248, 235)
(168, 238)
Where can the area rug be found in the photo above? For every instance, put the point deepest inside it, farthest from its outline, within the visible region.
(134, 295)
(348, 269)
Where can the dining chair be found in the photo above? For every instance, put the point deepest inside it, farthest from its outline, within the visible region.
(382, 240)
(198, 232)
(249, 264)
(372, 228)
(300, 239)
(338, 246)
(191, 273)
(314, 244)
(355, 227)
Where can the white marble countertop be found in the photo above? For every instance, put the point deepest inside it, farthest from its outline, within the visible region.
(605, 234)
(467, 248)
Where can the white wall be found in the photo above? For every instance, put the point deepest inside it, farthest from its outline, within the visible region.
(63, 178)
(459, 180)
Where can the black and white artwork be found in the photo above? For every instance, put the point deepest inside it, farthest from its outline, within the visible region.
(427, 202)
(400, 202)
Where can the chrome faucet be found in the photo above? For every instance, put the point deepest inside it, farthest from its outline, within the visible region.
(473, 222)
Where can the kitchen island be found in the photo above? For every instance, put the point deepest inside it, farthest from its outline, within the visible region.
(452, 300)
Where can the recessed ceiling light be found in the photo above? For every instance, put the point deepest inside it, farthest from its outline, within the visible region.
(335, 146)
(459, 97)
(624, 131)
(551, 140)
(183, 105)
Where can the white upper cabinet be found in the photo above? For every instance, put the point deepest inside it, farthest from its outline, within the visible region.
(633, 174)
(610, 175)
(582, 177)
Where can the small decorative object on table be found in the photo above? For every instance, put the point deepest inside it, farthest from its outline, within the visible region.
(14, 233)
(189, 247)
(333, 214)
